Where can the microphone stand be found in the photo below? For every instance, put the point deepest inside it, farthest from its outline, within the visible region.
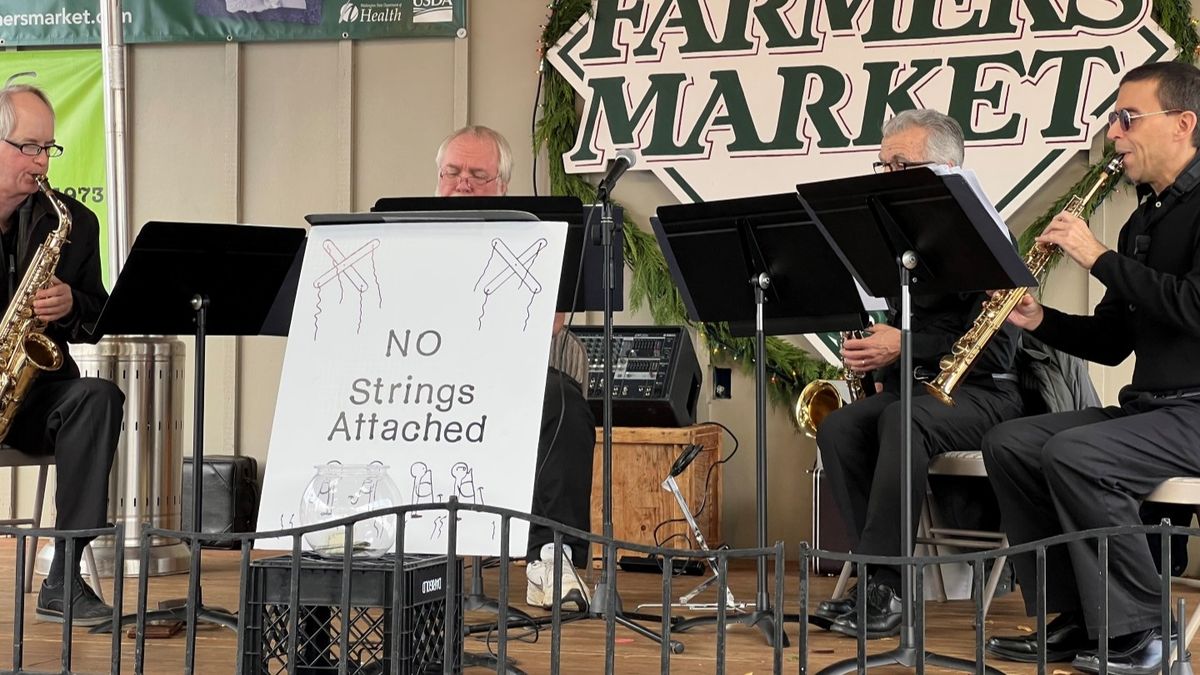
(606, 603)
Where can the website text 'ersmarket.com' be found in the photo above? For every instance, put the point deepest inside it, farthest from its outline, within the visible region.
(60, 18)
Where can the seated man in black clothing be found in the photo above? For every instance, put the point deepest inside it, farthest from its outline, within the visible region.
(1075, 471)
(77, 419)
(477, 161)
(860, 443)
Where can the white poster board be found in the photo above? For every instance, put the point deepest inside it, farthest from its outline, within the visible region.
(423, 346)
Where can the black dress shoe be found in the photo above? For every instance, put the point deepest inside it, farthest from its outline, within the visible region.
(86, 608)
(885, 613)
(829, 610)
(1144, 657)
(1065, 637)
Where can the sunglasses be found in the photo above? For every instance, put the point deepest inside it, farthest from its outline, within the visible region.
(1126, 118)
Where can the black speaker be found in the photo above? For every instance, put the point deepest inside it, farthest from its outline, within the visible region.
(656, 376)
(230, 494)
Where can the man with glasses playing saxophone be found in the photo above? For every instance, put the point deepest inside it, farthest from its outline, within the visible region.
(860, 443)
(1079, 470)
(77, 419)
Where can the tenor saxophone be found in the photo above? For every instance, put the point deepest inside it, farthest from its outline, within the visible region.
(955, 365)
(25, 350)
(821, 397)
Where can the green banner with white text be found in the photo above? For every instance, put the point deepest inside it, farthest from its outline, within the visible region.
(74, 82)
(77, 22)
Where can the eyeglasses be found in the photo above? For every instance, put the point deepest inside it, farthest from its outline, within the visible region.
(33, 149)
(474, 178)
(1126, 118)
(888, 167)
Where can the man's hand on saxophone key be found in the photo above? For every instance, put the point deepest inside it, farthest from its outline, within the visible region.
(1027, 314)
(878, 349)
(54, 301)
(1071, 234)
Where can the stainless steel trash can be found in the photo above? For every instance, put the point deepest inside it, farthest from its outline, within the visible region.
(145, 485)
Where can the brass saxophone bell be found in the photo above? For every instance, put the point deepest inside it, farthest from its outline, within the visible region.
(816, 401)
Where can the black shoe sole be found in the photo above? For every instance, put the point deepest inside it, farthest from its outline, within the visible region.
(822, 621)
(1021, 657)
(852, 631)
(1089, 668)
(43, 615)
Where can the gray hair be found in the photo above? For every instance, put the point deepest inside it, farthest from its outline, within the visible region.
(943, 145)
(480, 131)
(8, 111)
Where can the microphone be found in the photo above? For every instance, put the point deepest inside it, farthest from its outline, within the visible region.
(624, 161)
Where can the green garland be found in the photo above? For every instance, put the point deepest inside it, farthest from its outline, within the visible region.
(789, 367)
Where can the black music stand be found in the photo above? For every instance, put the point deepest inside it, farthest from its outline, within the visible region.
(200, 279)
(760, 260)
(940, 238)
(580, 288)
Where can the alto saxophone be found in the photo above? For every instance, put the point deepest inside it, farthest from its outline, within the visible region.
(25, 350)
(955, 365)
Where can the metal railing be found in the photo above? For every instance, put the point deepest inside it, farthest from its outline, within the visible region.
(508, 622)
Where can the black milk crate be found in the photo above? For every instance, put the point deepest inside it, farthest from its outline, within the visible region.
(264, 622)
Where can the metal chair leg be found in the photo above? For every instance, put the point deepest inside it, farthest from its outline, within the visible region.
(31, 553)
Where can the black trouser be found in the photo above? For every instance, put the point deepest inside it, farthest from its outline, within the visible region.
(860, 447)
(562, 486)
(1075, 471)
(79, 421)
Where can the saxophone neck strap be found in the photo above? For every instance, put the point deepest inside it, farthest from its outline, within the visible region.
(24, 219)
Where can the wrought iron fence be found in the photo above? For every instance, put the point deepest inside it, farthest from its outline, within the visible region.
(291, 621)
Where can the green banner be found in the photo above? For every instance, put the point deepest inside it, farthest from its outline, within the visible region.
(74, 81)
(76, 22)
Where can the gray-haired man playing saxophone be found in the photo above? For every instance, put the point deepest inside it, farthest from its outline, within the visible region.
(77, 419)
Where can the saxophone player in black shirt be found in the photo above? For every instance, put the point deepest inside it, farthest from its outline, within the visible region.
(1091, 468)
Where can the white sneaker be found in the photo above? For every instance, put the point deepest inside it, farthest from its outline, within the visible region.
(539, 574)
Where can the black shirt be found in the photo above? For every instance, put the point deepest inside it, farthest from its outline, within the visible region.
(78, 267)
(1151, 305)
(8, 256)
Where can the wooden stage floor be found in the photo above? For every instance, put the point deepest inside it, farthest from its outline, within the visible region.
(582, 644)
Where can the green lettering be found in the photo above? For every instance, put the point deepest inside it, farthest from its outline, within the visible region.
(924, 21)
(779, 36)
(1069, 92)
(1046, 16)
(841, 13)
(697, 37)
(798, 83)
(737, 116)
(965, 93)
(882, 97)
(604, 27)
(608, 102)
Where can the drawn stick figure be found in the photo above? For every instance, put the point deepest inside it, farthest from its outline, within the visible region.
(422, 489)
(464, 483)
